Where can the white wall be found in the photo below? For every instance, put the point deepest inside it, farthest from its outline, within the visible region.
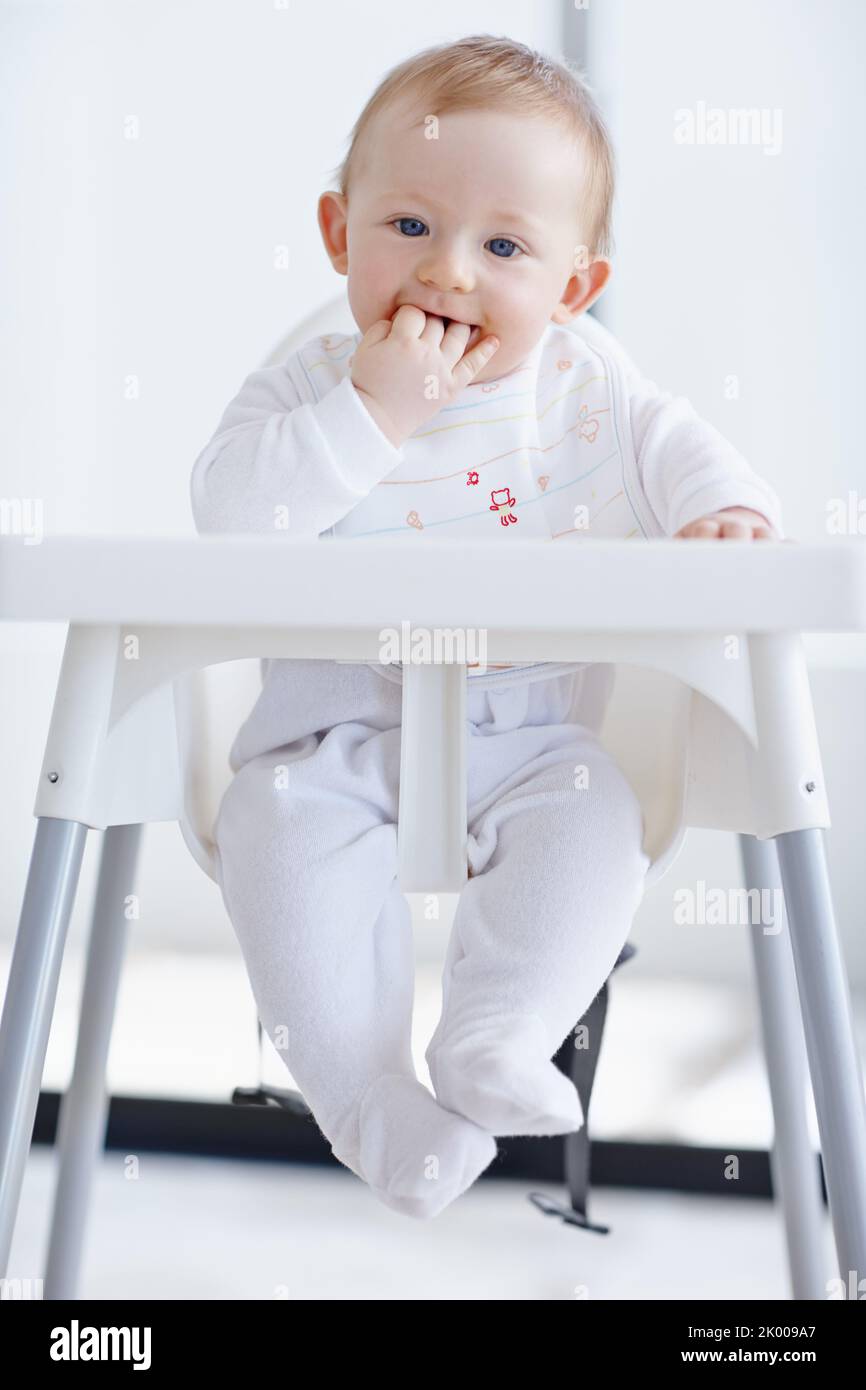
(733, 262)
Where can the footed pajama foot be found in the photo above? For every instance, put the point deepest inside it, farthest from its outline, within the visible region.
(415, 1155)
(502, 1079)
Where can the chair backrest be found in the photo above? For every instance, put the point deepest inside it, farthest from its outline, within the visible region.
(645, 728)
(211, 703)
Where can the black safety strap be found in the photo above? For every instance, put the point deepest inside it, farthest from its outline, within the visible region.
(279, 1096)
(580, 1064)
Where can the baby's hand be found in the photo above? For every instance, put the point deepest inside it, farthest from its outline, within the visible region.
(733, 523)
(395, 359)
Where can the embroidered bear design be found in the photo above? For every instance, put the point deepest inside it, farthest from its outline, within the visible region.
(502, 502)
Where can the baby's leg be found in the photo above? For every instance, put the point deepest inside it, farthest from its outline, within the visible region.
(558, 873)
(308, 874)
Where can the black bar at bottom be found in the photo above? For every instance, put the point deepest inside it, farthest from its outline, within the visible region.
(146, 1124)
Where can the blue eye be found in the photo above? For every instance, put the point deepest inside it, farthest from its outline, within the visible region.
(503, 241)
(501, 246)
(413, 222)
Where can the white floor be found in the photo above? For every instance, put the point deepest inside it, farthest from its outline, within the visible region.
(189, 1228)
(681, 1061)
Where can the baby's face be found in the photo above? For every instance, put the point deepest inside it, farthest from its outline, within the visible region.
(481, 224)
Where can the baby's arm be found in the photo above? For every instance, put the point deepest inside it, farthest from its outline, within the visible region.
(281, 463)
(697, 483)
(278, 463)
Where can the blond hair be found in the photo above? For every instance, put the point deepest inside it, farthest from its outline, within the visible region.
(500, 73)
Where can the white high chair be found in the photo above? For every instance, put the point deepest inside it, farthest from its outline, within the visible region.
(704, 740)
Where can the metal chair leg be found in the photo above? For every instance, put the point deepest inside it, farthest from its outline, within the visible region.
(52, 879)
(84, 1109)
(837, 1080)
(796, 1175)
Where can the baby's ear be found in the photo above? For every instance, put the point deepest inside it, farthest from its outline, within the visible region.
(589, 280)
(333, 218)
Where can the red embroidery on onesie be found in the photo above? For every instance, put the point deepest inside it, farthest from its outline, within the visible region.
(503, 505)
(471, 479)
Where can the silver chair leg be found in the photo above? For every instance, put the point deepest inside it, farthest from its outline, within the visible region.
(796, 1176)
(837, 1080)
(84, 1109)
(52, 879)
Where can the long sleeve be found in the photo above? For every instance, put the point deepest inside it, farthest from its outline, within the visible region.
(278, 463)
(687, 468)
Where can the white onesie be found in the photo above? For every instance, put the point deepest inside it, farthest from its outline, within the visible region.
(297, 450)
(571, 444)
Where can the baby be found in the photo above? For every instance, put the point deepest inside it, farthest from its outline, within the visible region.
(473, 224)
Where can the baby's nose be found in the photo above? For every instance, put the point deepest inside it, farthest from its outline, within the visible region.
(449, 274)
